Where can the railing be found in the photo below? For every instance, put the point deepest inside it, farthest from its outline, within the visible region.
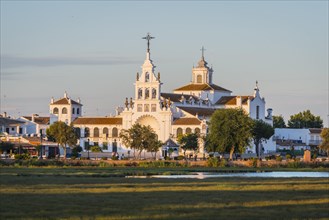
(315, 142)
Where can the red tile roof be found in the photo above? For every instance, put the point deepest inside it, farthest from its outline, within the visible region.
(201, 87)
(98, 121)
(65, 101)
(39, 120)
(231, 100)
(187, 121)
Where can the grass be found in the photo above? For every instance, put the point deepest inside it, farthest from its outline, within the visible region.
(101, 193)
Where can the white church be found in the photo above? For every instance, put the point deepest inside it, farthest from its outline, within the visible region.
(187, 109)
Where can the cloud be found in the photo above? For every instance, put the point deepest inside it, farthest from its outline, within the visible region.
(13, 61)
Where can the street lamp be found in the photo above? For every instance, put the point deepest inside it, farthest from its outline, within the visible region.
(88, 149)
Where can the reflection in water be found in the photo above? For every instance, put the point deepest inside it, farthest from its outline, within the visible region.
(203, 175)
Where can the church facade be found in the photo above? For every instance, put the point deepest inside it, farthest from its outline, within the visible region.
(185, 110)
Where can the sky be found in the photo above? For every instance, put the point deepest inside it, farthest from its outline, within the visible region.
(93, 49)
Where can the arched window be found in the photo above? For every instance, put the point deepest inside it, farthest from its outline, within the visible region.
(114, 132)
(197, 130)
(147, 93)
(78, 111)
(188, 131)
(199, 79)
(257, 112)
(147, 77)
(87, 132)
(140, 93)
(55, 111)
(179, 132)
(64, 110)
(106, 132)
(154, 93)
(96, 132)
(73, 110)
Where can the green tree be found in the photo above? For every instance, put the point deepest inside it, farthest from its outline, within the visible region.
(154, 147)
(230, 130)
(261, 131)
(63, 134)
(188, 142)
(305, 119)
(278, 122)
(139, 138)
(325, 140)
(96, 149)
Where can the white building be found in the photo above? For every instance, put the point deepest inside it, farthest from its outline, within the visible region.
(187, 109)
(297, 137)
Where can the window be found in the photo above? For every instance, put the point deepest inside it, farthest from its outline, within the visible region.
(87, 132)
(139, 107)
(188, 131)
(197, 130)
(146, 108)
(199, 79)
(140, 93)
(78, 111)
(153, 108)
(73, 110)
(114, 132)
(106, 132)
(64, 110)
(179, 131)
(147, 77)
(154, 93)
(147, 93)
(257, 112)
(55, 111)
(13, 129)
(96, 132)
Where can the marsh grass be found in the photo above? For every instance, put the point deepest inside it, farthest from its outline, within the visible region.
(95, 193)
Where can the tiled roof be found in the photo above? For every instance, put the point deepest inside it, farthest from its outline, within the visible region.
(39, 120)
(65, 101)
(202, 87)
(315, 130)
(98, 121)
(170, 143)
(187, 121)
(10, 122)
(198, 111)
(231, 100)
(177, 97)
(36, 141)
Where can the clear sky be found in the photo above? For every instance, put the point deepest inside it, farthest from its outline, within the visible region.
(93, 49)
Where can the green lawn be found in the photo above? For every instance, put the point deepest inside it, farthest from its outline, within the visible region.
(95, 193)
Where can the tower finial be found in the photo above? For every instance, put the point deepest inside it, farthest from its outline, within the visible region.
(203, 49)
(148, 38)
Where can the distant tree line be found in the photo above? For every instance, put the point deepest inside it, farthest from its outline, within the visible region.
(303, 119)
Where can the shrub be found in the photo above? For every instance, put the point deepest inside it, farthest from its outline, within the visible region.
(253, 162)
(288, 156)
(22, 156)
(212, 162)
(180, 157)
(223, 163)
(278, 158)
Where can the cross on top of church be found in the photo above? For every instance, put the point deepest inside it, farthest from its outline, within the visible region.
(203, 49)
(148, 38)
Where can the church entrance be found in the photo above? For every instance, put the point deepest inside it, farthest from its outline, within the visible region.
(151, 121)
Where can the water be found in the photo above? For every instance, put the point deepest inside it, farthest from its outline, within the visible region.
(275, 174)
